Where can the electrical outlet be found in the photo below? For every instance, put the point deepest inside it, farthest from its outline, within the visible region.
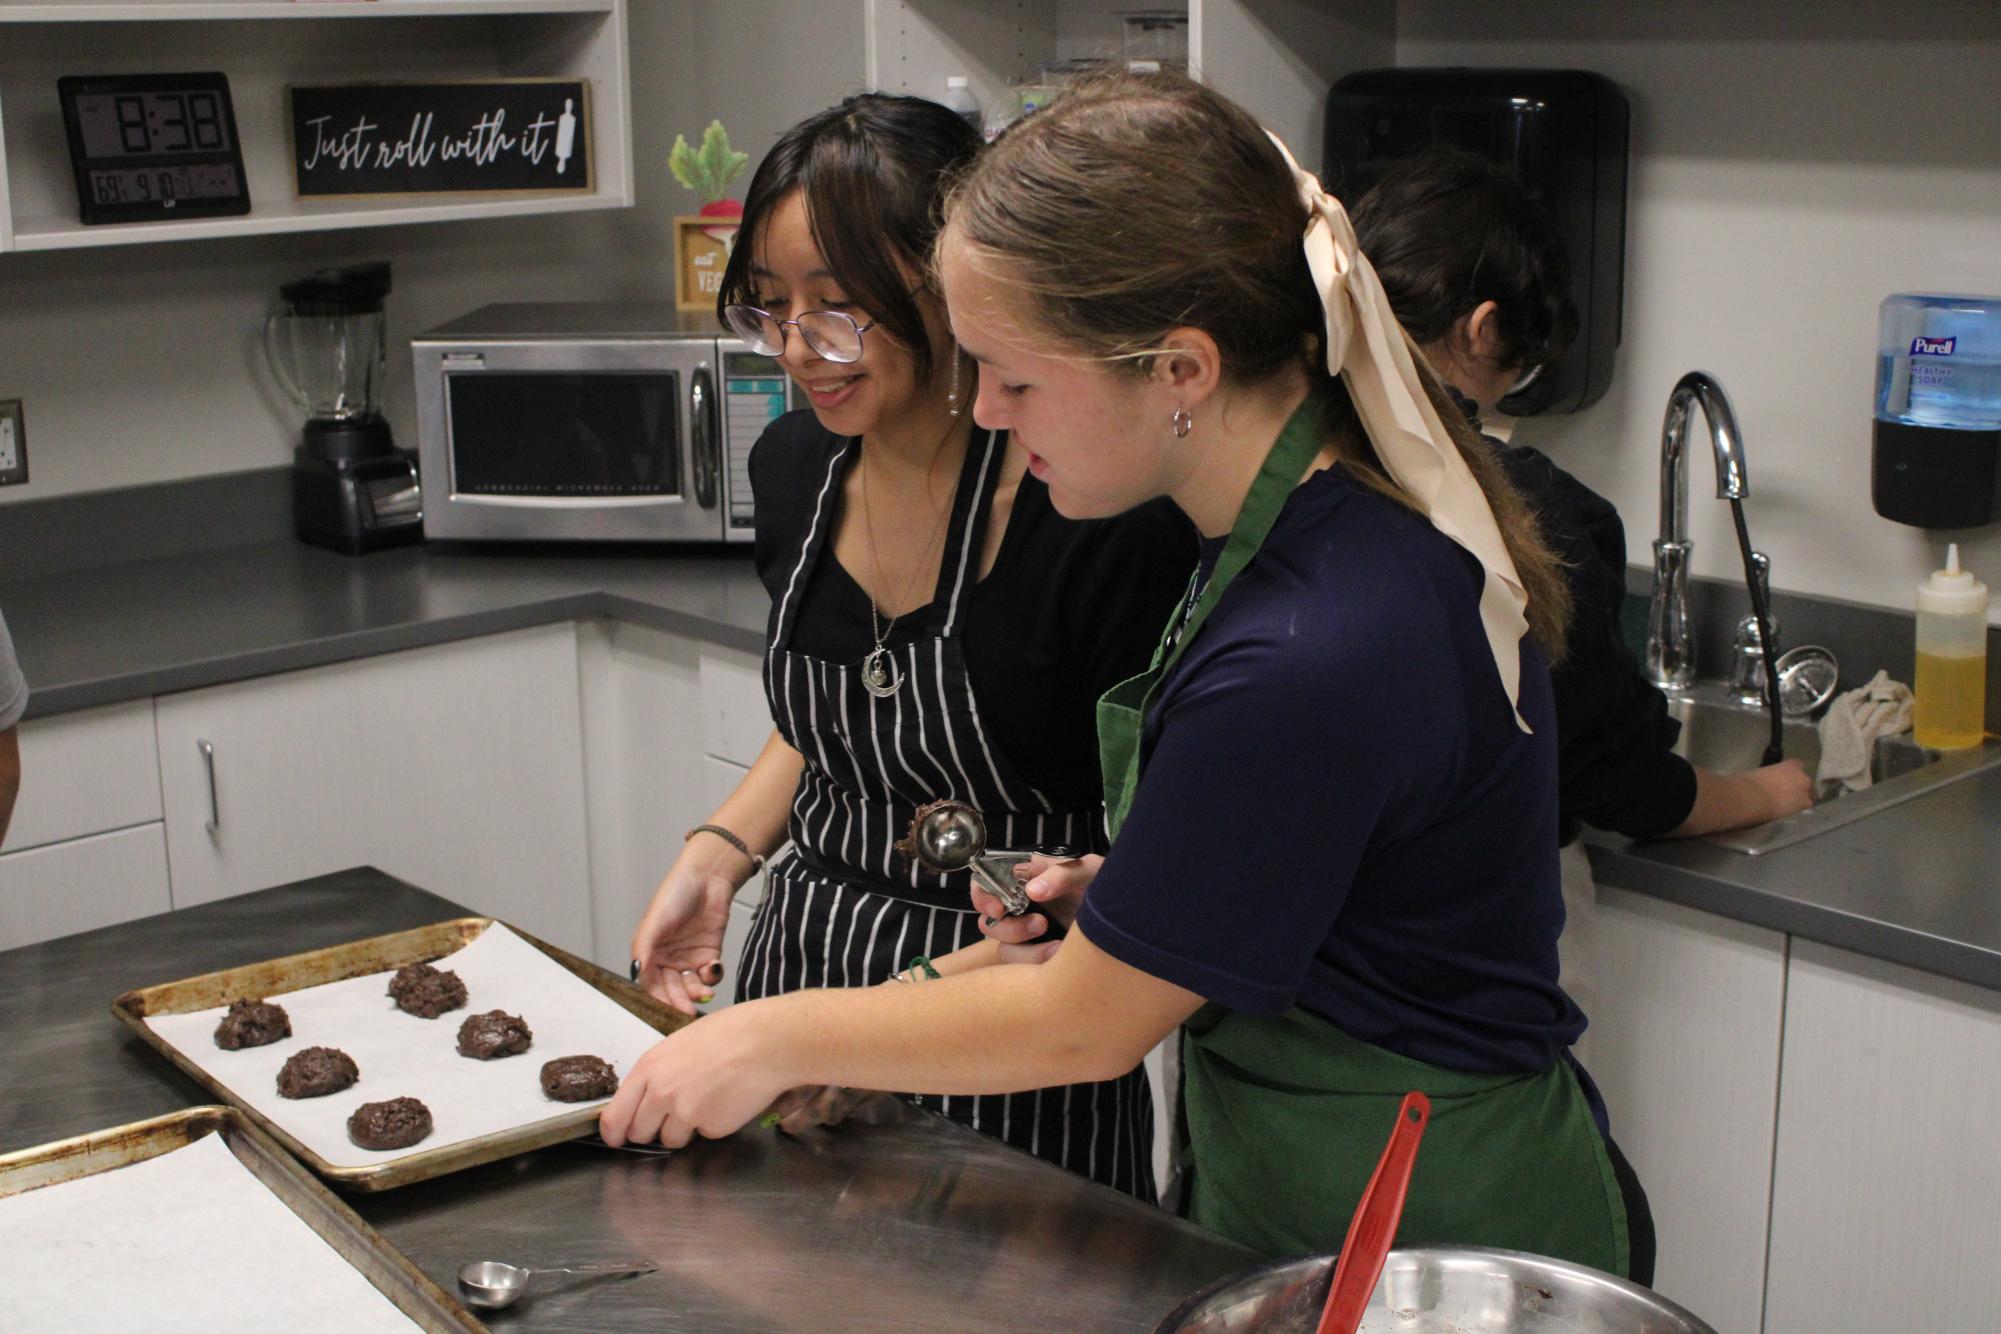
(13, 443)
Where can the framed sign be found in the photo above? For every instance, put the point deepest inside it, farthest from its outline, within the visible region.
(701, 249)
(511, 135)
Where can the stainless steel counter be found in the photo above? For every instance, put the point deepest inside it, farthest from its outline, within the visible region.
(913, 1224)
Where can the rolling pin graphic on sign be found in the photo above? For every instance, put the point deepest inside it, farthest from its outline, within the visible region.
(566, 135)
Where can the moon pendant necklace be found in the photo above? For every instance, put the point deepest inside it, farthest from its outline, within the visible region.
(880, 674)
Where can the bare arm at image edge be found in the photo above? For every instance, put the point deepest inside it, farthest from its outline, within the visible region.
(13, 702)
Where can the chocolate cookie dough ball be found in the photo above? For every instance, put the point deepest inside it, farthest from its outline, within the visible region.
(316, 1072)
(252, 1023)
(578, 1078)
(496, 1033)
(425, 991)
(395, 1124)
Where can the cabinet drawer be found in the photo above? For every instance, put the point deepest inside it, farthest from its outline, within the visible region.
(86, 773)
(736, 717)
(82, 884)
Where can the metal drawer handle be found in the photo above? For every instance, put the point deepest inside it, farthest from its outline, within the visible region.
(214, 825)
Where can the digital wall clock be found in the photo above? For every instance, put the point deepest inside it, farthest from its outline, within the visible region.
(150, 147)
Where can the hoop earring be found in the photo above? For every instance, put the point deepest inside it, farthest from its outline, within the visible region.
(1183, 422)
(952, 403)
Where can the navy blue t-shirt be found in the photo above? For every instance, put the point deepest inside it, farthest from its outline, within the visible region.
(1337, 809)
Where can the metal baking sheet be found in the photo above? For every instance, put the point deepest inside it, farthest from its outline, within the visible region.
(222, 1185)
(303, 1125)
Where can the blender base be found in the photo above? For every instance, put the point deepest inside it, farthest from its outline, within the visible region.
(356, 506)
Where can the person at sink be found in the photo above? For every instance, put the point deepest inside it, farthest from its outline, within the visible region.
(937, 628)
(1476, 272)
(1334, 790)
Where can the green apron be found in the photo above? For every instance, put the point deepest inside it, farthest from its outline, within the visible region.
(1286, 1116)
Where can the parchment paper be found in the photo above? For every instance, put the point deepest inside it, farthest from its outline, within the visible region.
(188, 1241)
(401, 1055)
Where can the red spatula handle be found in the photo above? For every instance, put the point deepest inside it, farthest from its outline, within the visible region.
(1374, 1225)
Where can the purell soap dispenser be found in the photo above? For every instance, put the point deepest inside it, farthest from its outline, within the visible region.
(1936, 462)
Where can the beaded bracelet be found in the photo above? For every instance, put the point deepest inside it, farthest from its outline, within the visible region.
(756, 862)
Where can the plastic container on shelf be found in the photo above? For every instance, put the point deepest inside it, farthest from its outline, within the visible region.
(1155, 38)
(1951, 685)
(960, 101)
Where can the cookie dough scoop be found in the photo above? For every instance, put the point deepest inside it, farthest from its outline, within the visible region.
(950, 836)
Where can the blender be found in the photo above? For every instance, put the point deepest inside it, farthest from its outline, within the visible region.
(352, 488)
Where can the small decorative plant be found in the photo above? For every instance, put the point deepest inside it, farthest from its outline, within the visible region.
(708, 171)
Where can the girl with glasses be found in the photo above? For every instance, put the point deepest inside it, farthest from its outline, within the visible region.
(937, 628)
(1332, 792)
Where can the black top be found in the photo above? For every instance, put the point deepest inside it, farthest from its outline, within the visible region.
(1070, 608)
(1616, 768)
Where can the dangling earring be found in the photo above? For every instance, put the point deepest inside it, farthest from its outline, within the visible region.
(952, 392)
(1183, 422)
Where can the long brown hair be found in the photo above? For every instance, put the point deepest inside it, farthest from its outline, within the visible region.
(1136, 204)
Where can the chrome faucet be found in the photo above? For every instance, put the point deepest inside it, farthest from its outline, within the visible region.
(1670, 641)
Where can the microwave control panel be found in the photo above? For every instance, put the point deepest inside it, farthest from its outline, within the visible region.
(756, 393)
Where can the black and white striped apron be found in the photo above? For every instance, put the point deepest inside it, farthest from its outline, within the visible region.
(848, 909)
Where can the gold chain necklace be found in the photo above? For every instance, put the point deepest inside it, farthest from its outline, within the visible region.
(880, 674)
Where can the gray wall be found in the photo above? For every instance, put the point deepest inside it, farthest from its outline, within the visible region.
(143, 363)
(1792, 165)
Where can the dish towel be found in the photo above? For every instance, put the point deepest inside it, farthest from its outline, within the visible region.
(1848, 733)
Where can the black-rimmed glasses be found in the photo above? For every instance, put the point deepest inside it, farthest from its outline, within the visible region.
(833, 335)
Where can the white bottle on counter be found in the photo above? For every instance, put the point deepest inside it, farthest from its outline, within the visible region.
(1951, 685)
(960, 100)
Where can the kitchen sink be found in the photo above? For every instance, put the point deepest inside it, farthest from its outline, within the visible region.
(1721, 734)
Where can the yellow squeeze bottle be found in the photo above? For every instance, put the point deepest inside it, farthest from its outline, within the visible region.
(1951, 686)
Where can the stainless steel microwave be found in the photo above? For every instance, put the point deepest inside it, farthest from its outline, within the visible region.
(590, 422)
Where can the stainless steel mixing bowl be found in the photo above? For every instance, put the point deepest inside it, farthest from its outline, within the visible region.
(1437, 1290)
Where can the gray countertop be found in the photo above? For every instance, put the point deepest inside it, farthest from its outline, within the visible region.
(1919, 884)
(118, 632)
(910, 1224)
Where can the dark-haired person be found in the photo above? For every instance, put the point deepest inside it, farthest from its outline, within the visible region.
(13, 703)
(1477, 274)
(937, 628)
(1332, 792)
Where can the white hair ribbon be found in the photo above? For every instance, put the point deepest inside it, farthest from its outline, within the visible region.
(1367, 349)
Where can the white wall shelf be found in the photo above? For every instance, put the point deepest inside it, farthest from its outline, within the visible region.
(152, 11)
(263, 47)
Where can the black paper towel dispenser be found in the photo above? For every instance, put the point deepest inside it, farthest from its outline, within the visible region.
(1563, 132)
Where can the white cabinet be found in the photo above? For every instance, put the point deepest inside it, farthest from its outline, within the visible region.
(1685, 1048)
(81, 884)
(670, 727)
(458, 768)
(642, 723)
(264, 45)
(1886, 1201)
(86, 847)
(721, 778)
(86, 773)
